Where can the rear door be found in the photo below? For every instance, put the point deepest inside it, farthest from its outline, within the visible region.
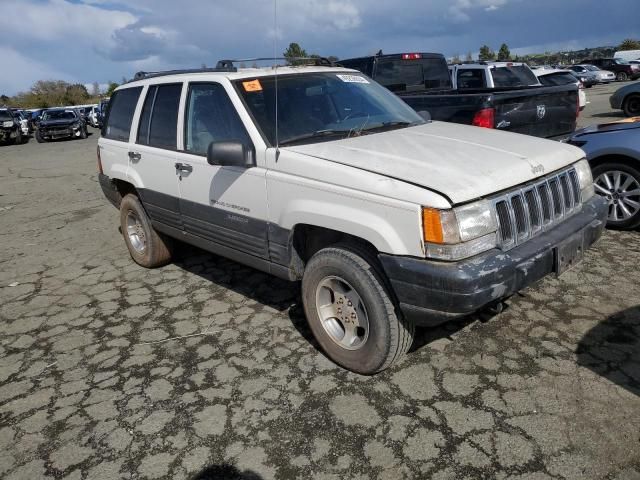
(223, 205)
(152, 154)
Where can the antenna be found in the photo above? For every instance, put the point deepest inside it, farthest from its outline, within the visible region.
(275, 63)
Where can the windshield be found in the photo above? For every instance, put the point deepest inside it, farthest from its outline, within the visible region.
(514, 76)
(59, 115)
(5, 115)
(593, 68)
(317, 106)
(398, 75)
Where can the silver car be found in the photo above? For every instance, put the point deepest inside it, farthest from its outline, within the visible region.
(603, 76)
(613, 151)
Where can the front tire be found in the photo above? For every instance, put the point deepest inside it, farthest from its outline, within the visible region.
(622, 77)
(631, 105)
(18, 139)
(619, 184)
(40, 138)
(351, 311)
(147, 247)
(83, 133)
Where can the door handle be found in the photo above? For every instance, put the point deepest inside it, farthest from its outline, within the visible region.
(135, 156)
(183, 167)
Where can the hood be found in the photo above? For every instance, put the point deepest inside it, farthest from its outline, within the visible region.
(58, 123)
(626, 124)
(459, 161)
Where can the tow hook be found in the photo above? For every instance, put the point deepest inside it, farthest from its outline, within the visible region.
(491, 310)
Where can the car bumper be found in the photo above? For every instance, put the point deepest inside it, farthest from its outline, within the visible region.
(109, 189)
(431, 292)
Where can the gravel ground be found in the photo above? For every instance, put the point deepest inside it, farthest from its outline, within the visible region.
(95, 385)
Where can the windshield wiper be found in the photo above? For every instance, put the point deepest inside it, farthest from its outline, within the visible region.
(316, 134)
(389, 125)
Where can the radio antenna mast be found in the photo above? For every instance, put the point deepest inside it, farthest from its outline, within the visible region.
(275, 64)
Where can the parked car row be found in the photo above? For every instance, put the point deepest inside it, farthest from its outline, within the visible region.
(16, 126)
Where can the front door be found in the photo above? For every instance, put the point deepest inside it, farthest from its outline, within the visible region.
(223, 205)
(152, 155)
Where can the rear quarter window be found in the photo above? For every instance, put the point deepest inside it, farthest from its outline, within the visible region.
(120, 112)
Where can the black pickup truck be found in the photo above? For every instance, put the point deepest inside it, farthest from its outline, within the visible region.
(423, 81)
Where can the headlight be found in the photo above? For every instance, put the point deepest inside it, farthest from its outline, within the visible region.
(585, 179)
(460, 232)
(7, 124)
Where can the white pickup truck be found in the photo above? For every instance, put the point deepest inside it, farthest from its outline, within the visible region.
(388, 219)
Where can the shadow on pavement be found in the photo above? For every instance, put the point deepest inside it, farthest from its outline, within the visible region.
(225, 472)
(616, 114)
(612, 349)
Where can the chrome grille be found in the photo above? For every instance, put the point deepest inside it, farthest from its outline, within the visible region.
(536, 207)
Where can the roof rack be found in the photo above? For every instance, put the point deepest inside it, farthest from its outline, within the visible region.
(143, 75)
(315, 61)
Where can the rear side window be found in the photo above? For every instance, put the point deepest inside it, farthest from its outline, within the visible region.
(120, 112)
(400, 75)
(471, 78)
(211, 117)
(159, 119)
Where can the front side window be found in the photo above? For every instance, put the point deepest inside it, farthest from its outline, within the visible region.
(120, 112)
(513, 76)
(314, 107)
(211, 117)
(159, 120)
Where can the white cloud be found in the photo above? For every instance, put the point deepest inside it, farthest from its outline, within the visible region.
(20, 72)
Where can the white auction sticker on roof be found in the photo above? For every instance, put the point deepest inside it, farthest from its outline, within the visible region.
(352, 78)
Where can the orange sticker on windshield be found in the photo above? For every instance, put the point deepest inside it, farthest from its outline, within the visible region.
(252, 86)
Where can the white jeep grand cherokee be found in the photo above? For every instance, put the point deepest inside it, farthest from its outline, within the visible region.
(389, 221)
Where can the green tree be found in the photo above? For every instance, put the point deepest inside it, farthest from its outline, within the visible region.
(486, 53)
(295, 51)
(629, 44)
(76, 94)
(112, 86)
(504, 53)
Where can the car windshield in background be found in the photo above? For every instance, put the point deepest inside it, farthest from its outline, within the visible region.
(514, 76)
(5, 116)
(323, 106)
(59, 115)
(398, 75)
(593, 68)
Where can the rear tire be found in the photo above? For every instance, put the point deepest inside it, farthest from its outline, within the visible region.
(631, 105)
(351, 310)
(18, 139)
(628, 198)
(147, 247)
(622, 77)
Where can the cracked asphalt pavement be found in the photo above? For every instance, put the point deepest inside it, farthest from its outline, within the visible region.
(206, 369)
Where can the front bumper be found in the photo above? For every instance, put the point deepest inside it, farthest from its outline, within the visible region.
(431, 292)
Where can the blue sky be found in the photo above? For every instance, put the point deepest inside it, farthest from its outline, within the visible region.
(89, 41)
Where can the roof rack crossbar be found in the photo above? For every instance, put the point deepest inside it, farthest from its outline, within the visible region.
(143, 75)
(316, 61)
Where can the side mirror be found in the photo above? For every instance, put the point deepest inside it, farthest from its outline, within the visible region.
(231, 153)
(426, 116)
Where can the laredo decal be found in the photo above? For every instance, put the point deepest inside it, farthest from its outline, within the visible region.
(229, 205)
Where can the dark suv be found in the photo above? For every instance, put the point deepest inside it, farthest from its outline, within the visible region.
(10, 130)
(623, 70)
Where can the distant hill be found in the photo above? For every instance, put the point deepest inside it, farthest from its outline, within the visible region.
(567, 57)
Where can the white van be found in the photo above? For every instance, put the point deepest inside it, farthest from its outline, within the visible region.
(388, 220)
(627, 55)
